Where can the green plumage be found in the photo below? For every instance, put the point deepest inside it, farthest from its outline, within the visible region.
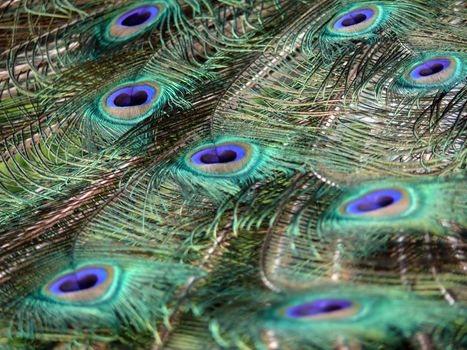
(197, 174)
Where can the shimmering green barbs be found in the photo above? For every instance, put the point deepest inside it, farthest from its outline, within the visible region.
(357, 20)
(380, 209)
(133, 21)
(130, 102)
(88, 284)
(432, 71)
(226, 158)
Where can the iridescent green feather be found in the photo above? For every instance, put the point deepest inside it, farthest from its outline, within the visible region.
(251, 174)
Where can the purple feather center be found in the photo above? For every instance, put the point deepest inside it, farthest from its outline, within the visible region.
(318, 307)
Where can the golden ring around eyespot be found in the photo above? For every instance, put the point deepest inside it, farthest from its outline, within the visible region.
(227, 168)
(402, 206)
(122, 32)
(435, 78)
(357, 27)
(129, 113)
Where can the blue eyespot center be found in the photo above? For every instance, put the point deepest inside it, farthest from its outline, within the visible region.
(430, 67)
(126, 100)
(374, 201)
(137, 17)
(76, 284)
(226, 156)
(354, 18)
(219, 155)
(436, 68)
(80, 280)
(318, 307)
(131, 96)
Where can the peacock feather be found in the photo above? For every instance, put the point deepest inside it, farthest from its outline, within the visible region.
(255, 174)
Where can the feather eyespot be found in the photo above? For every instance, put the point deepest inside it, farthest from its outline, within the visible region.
(322, 309)
(350, 312)
(430, 68)
(137, 17)
(130, 103)
(134, 21)
(222, 159)
(433, 71)
(378, 203)
(355, 21)
(88, 284)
